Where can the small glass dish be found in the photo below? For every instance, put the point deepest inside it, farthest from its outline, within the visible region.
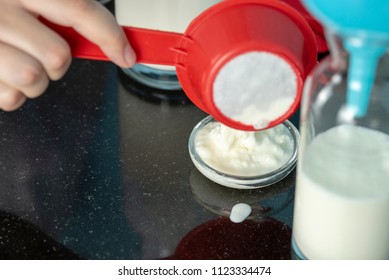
(243, 182)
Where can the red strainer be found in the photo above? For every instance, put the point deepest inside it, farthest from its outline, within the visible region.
(218, 36)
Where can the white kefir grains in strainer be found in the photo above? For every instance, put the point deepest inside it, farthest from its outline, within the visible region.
(255, 88)
(244, 153)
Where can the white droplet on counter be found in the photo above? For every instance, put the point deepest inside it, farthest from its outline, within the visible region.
(240, 212)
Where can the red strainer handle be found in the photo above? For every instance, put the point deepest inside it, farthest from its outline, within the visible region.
(150, 46)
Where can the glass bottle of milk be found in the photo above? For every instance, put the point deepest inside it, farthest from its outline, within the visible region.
(165, 15)
(342, 189)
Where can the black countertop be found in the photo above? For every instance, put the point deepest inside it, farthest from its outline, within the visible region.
(91, 171)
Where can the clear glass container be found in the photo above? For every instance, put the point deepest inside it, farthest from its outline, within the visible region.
(165, 15)
(237, 181)
(342, 190)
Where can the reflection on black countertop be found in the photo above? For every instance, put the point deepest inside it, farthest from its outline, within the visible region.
(220, 239)
(90, 171)
(20, 239)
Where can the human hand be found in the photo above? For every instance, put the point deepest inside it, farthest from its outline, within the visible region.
(32, 54)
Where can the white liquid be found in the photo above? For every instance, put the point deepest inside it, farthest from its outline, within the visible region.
(240, 212)
(166, 15)
(244, 153)
(342, 196)
(255, 88)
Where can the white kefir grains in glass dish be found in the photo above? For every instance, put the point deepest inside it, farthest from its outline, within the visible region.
(243, 159)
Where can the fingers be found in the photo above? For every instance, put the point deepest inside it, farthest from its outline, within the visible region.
(10, 98)
(32, 54)
(20, 72)
(91, 20)
(30, 36)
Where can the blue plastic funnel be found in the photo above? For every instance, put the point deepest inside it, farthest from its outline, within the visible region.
(364, 27)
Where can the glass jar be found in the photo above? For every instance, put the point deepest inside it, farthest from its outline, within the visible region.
(342, 190)
(165, 15)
